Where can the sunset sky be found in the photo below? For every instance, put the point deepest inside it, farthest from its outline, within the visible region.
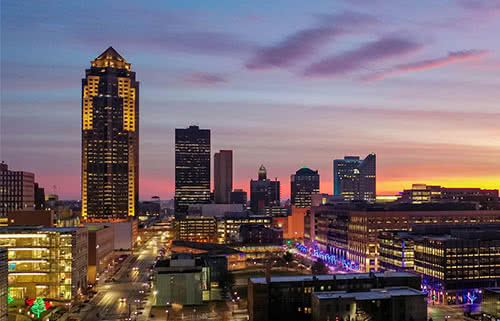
(283, 83)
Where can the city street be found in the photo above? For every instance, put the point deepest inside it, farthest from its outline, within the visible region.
(116, 300)
(441, 311)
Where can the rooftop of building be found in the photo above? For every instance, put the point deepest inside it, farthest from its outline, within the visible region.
(326, 277)
(31, 229)
(375, 294)
(210, 248)
(361, 206)
(494, 290)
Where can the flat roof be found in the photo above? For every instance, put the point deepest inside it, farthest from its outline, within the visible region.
(326, 277)
(375, 294)
(29, 229)
(495, 290)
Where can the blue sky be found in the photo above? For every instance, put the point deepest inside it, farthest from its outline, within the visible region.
(283, 83)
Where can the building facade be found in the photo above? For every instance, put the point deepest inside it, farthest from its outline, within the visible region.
(239, 196)
(4, 284)
(290, 297)
(183, 279)
(422, 193)
(264, 192)
(223, 176)
(110, 139)
(46, 262)
(197, 229)
(101, 247)
(303, 184)
(17, 190)
(388, 304)
(192, 167)
(355, 178)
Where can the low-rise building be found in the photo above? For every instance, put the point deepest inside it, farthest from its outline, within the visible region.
(4, 284)
(183, 279)
(101, 247)
(290, 297)
(229, 226)
(455, 262)
(490, 306)
(197, 229)
(236, 260)
(255, 233)
(46, 262)
(388, 304)
(125, 232)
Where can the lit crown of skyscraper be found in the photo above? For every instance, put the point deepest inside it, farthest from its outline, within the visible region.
(111, 58)
(262, 173)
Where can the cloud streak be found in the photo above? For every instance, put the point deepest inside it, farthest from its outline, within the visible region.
(204, 78)
(353, 60)
(304, 43)
(452, 57)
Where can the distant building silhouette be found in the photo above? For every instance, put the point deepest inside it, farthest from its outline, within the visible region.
(192, 167)
(355, 178)
(303, 184)
(264, 192)
(223, 176)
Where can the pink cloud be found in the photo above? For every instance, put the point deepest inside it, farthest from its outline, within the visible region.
(353, 60)
(204, 78)
(304, 43)
(452, 57)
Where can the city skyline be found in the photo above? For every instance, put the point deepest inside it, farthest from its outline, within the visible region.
(255, 87)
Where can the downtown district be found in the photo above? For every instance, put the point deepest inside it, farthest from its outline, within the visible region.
(428, 252)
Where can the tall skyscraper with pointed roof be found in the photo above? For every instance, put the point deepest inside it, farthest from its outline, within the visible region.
(110, 139)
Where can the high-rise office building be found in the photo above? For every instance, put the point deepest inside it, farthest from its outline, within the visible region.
(264, 192)
(355, 178)
(223, 176)
(192, 167)
(17, 190)
(110, 139)
(303, 184)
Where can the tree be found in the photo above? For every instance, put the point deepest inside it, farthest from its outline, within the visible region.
(288, 257)
(38, 307)
(10, 299)
(319, 267)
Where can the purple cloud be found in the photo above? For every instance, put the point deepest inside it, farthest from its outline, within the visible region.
(305, 42)
(452, 57)
(355, 59)
(204, 78)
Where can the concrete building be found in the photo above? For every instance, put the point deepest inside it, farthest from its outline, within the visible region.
(274, 211)
(4, 284)
(490, 306)
(236, 260)
(264, 192)
(17, 190)
(45, 218)
(355, 178)
(290, 297)
(388, 304)
(223, 176)
(46, 262)
(239, 196)
(197, 229)
(229, 227)
(422, 193)
(183, 279)
(260, 234)
(125, 233)
(218, 210)
(350, 231)
(101, 247)
(303, 184)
